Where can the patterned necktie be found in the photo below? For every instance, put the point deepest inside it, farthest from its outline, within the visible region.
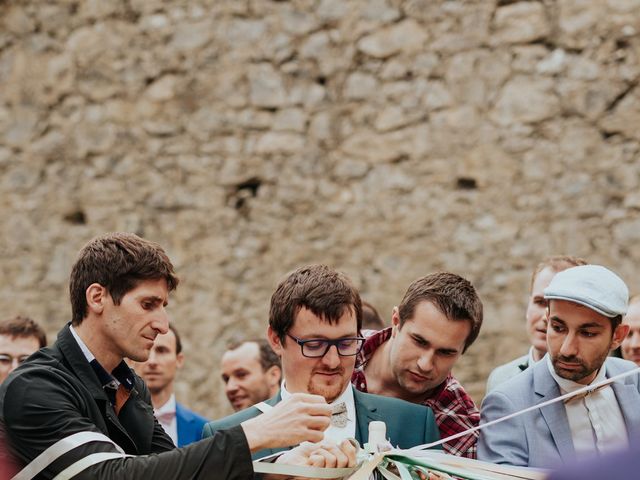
(339, 415)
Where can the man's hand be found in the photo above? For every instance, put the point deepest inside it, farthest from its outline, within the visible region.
(302, 417)
(324, 455)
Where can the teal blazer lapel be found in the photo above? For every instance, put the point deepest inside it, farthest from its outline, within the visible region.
(365, 412)
(555, 414)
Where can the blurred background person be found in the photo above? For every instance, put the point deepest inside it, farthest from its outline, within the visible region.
(19, 337)
(535, 318)
(371, 319)
(251, 372)
(159, 373)
(630, 347)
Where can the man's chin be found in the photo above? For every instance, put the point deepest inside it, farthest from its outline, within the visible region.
(237, 406)
(329, 391)
(575, 375)
(140, 357)
(418, 388)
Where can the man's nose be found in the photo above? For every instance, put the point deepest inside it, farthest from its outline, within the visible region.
(161, 321)
(15, 363)
(331, 359)
(231, 386)
(425, 361)
(152, 357)
(569, 347)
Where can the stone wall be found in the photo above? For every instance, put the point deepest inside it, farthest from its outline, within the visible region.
(389, 138)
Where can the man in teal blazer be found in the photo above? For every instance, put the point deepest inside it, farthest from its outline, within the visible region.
(408, 424)
(314, 322)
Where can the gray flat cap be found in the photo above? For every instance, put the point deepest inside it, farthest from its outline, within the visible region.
(593, 286)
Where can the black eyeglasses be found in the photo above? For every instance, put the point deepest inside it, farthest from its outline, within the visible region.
(318, 347)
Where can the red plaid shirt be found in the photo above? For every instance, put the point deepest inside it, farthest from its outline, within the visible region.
(454, 410)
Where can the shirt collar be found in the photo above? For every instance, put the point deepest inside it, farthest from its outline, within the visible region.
(374, 338)
(567, 386)
(120, 375)
(168, 407)
(83, 346)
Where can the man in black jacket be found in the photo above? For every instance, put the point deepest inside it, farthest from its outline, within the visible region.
(81, 390)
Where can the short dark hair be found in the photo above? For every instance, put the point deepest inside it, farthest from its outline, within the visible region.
(454, 296)
(268, 358)
(23, 327)
(119, 262)
(319, 288)
(557, 263)
(177, 335)
(370, 317)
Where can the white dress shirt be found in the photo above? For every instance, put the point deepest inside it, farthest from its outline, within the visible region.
(337, 434)
(168, 410)
(596, 421)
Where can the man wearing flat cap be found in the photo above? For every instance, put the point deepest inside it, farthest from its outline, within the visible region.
(586, 305)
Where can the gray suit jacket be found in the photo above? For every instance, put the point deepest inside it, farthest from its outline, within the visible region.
(542, 438)
(408, 424)
(506, 371)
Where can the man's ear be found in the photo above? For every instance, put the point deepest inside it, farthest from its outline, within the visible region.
(179, 360)
(274, 375)
(274, 341)
(96, 296)
(619, 334)
(395, 321)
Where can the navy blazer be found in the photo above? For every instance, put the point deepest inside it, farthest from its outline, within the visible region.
(189, 425)
(408, 424)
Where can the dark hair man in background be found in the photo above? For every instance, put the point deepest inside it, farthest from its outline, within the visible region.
(438, 319)
(371, 319)
(314, 320)
(535, 318)
(251, 372)
(19, 337)
(159, 373)
(82, 388)
(630, 348)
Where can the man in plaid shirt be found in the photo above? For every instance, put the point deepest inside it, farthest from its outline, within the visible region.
(439, 318)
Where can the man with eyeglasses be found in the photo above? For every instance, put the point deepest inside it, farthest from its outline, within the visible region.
(314, 323)
(19, 337)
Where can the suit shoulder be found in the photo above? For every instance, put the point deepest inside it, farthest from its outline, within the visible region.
(190, 415)
(230, 421)
(514, 388)
(394, 405)
(619, 364)
(506, 370)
